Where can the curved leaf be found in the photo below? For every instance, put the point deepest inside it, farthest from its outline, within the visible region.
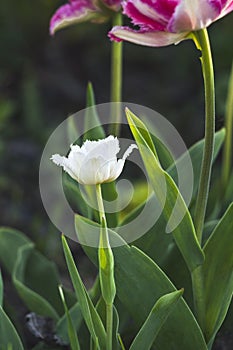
(35, 277)
(195, 153)
(9, 338)
(89, 313)
(218, 273)
(35, 301)
(1, 289)
(74, 343)
(155, 320)
(170, 199)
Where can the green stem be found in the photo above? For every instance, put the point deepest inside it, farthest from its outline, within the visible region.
(201, 40)
(116, 78)
(100, 203)
(227, 151)
(198, 296)
(106, 269)
(109, 322)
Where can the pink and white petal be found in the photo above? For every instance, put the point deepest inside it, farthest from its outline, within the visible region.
(113, 4)
(145, 37)
(143, 13)
(191, 15)
(227, 9)
(76, 11)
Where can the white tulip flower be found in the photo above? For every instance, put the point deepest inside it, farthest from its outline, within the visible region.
(95, 162)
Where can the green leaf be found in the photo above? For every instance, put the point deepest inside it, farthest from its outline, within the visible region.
(76, 314)
(93, 128)
(34, 277)
(139, 284)
(76, 318)
(72, 129)
(155, 320)
(35, 301)
(9, 338)
(196, 153)
(218, 273)
(160, 246)
(176, 213)
(89, 313)
(74, 343)
(75, 197)
(10, 241)
(1, 289)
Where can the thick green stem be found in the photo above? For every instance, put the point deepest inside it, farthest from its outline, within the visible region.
(109, 322)
(198, 296)
(116, 78)
(227, 151)
(201, 40)
(203, 44)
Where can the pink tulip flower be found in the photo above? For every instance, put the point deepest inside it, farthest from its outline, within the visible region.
(77, 11)
(165, 22)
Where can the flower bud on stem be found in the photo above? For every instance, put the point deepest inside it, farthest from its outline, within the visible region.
(106, 269)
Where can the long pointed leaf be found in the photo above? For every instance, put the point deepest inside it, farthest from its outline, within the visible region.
(74, 343)
(9, 338)
(218, 273)
(8, 335)
(1, 289)
(155, 320)
(90, 315)
(93, 128)
(181, 226)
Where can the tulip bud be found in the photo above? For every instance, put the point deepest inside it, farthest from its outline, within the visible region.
(106, 266)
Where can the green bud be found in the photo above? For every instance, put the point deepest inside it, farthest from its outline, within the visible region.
(106, 266)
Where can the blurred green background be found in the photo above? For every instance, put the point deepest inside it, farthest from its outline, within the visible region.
(43, 80)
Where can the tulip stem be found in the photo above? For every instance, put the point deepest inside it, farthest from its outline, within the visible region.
(106, 269)
(109, 322)
(203, 44)
(100, 203)
(116, 78)
(201, 40)
(227, 150)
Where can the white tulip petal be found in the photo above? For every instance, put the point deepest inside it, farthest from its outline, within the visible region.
(95, 162)
(65, 164)
(108, 147)
(129, 151)
(116, 170)
(94, 171)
